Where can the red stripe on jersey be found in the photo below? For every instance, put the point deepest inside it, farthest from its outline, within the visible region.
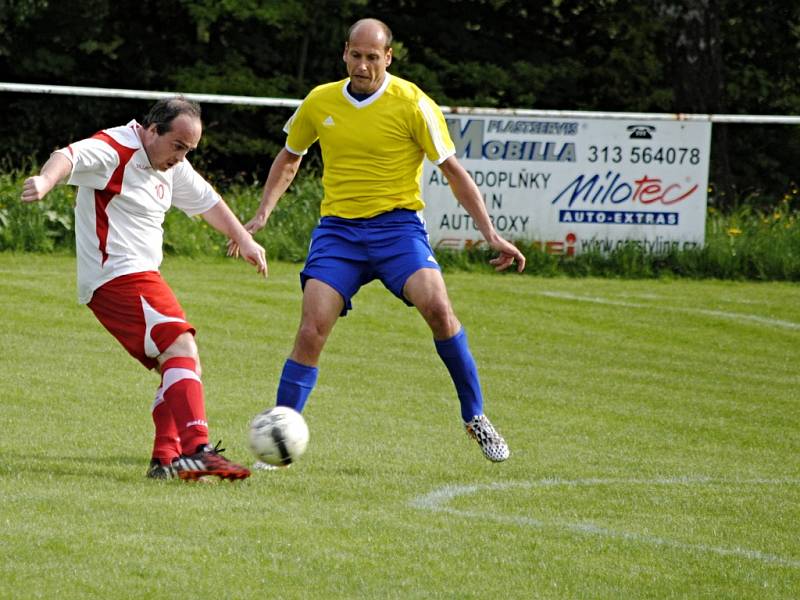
(114, 186)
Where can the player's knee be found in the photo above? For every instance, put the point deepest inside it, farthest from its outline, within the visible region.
(438, 308)
(183, 346)
(311, 337)
(440, 317)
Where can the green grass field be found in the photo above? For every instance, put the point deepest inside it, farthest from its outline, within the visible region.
(654, 428)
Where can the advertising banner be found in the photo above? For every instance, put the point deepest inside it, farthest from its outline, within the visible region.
(576, 185)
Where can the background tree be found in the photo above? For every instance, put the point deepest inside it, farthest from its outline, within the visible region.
(699, 56)
(731, 56)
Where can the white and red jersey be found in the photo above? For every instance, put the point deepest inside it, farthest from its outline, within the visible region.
(121, 205)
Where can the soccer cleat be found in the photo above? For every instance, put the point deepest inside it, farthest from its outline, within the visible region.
(158, 471)
(208, 461)
(492, 444)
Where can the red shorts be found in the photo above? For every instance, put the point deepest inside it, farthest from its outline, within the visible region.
(141, 311)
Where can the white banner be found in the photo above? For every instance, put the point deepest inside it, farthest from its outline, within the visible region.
(575, 185)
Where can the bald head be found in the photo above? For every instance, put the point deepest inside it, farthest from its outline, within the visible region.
(367, 54)
(371, 32)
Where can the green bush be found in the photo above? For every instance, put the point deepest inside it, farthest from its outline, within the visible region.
(38, 227)
(750, 243)
(288, 233)
(48, 225)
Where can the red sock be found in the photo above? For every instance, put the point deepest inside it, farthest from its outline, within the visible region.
(183, 394)
(166, 444)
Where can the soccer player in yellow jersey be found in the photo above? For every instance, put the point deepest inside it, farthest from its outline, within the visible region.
(374, 130)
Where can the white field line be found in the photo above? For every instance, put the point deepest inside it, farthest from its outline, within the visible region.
(437, 500)
(700, 311)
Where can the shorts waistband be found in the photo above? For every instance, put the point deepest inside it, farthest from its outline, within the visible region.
(401, 215)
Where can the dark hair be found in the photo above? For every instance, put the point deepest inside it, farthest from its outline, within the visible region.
(386, 31)
(163, 112)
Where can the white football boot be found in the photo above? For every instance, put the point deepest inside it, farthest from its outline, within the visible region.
(492, 443)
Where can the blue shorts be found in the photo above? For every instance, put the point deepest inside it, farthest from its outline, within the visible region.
(349, 253)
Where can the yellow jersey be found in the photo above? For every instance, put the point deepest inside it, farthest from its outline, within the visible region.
(372, 149)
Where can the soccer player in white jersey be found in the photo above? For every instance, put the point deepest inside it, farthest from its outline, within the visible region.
(373, 129)
(127, 178)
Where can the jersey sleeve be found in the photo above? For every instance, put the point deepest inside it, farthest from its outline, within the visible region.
(300, 130)
(430, 131)
(190, 192)
(93, 163)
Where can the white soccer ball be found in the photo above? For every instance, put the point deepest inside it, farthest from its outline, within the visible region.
(278, 436)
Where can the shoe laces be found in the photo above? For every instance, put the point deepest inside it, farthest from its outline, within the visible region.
(483, 429)
(212, 456)
(217, 449)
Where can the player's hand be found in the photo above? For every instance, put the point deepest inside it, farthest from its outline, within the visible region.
(508, 254)
(255, 224)
(254, 253)
(34, 188)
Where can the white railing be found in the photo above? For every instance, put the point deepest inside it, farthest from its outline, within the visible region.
(293, 103)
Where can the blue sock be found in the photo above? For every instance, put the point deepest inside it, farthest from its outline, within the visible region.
(458, 360)
(296, 384)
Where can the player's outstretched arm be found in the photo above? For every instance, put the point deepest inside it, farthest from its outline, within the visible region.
(221, 218)
(469, 196)
(54, 170)
(281, 174)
